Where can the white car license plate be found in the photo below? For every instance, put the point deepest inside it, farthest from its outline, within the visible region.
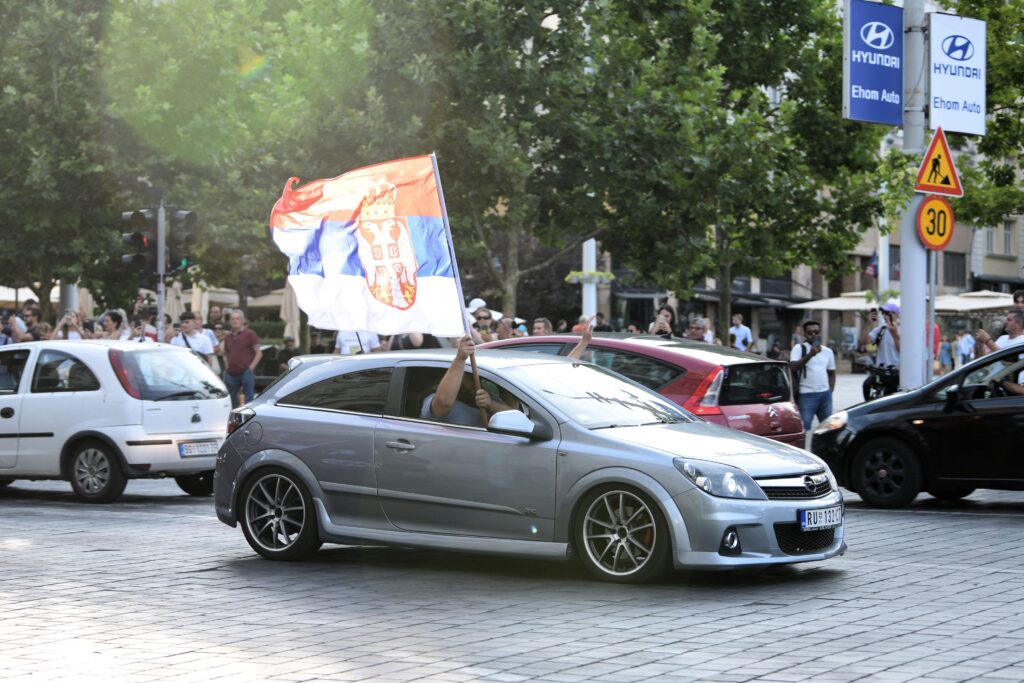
(189, 449)
(823, 518)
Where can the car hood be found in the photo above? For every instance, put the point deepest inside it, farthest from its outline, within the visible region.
(757, 456)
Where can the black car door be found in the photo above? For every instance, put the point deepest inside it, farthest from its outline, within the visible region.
(978, 436)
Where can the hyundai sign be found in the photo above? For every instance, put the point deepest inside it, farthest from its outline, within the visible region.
(873, 62)
(956, 70)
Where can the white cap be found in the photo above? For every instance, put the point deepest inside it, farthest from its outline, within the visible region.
(475, 304)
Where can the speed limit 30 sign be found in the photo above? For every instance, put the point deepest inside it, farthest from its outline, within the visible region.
(935, 222)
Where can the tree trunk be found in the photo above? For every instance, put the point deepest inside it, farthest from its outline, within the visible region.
(510, 274)
(724, 288)
(42, 293)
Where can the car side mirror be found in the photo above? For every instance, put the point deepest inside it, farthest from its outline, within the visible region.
(954, 400)
(515, 423)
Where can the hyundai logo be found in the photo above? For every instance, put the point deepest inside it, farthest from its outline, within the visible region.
(877, 35)
(958, 48)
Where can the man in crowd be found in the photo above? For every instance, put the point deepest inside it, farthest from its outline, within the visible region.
(286, 354)
(964, 346)
(191, 338)
(352, 342)
(242, 354)
(600, 325)
(696, 330)
(1014, 334)
(744, 340)
(814, 367)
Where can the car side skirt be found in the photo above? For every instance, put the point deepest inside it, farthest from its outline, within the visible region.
(352, 535)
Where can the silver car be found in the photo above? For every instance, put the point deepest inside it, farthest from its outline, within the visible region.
(586, 464)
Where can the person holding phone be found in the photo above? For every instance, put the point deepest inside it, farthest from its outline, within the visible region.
(884, 334)
(664, 322)
(813, 366)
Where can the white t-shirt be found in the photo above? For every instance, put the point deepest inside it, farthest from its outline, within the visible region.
(815, 372)
(198, 342)
(709, 337)
(887, 354)
(1006, 341)
(351, 342)
(744, 337)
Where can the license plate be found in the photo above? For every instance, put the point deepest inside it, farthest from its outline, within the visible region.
(822, 518)
(189, 449)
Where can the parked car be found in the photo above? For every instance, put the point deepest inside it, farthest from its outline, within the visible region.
(732, 388)
(337, 451)
(962, 431)
(97, 413)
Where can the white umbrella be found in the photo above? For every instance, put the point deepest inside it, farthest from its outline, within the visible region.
(983, 300)
(200, 300)
(290, 312)
(850, 301)
(174, 306)
(86, 303)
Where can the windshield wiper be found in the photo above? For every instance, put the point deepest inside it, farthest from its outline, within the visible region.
(178, 394)
(665, 421)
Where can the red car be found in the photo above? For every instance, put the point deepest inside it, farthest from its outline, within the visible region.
(725, 386)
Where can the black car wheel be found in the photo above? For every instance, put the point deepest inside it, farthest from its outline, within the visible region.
(277, 515)
(620, 536)
(199, 484)
(952, 493)
(886, 473)
(95, 473)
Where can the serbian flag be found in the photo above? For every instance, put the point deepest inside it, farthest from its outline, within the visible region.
(371, 250)
(871, 270)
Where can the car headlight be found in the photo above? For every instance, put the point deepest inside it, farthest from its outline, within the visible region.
(719, 480)
(833, 422)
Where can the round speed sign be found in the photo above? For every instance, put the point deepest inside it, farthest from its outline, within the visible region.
(935, 222)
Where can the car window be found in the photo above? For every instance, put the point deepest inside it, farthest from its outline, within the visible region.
(12, 366)
(754, 383)
(365, 391)
(553, 349)
(166, 374)
(57, 371)
(973, 383)
(422, 382)
(651, 373)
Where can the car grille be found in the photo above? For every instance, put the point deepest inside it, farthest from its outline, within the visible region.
(793, 487)
(793, 541)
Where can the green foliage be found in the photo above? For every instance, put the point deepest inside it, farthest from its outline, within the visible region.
(992, 189)
(897, 173)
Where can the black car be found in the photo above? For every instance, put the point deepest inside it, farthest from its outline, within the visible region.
(961, 432)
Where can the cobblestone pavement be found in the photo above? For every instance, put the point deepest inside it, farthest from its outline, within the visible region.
(154, 588)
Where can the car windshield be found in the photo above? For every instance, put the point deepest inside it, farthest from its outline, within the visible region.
(597, 398)
(1008, 367)
(754, 383)
(170, 374)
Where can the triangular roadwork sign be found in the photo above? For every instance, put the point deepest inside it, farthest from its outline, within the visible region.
(937, 174)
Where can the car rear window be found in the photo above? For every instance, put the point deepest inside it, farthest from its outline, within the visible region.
(169, 374)
(754, 383)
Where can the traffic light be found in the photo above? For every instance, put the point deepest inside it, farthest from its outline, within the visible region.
(141, 240)
(179, 238)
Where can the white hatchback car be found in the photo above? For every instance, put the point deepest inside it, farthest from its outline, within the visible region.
(97, 413)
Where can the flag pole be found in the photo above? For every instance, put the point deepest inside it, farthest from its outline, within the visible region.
(458, 280)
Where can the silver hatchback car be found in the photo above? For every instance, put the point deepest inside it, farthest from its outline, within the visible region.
(584, 463)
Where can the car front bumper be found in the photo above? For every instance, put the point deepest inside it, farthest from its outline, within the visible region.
(768, 530)
(833, 447)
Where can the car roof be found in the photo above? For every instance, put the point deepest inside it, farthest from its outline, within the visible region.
(650, 344)
(71, 344)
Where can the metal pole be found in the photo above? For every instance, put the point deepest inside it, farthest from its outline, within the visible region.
(589, 288)
(161, 287)
(932, 286)
(913, 264)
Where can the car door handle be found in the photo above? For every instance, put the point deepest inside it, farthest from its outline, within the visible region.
(6, 412)
(400, 445)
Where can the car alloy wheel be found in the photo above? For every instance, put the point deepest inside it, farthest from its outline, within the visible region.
(278, 519)
(621, 536)
(886, 473)
(96, 476)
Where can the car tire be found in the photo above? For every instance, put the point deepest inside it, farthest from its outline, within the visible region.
(886, 473)
(621, 536)
(95, 472)
(952, 494)
(198, 484)
(277, 515)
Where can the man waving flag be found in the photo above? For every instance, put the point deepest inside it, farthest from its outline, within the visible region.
(372, 250)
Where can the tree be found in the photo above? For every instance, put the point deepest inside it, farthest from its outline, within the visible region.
(55, 186)
(993, 187)
(745, 165)
(501, 91)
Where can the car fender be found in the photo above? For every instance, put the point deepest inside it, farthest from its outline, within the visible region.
(566, 508)
(277, 458)
(900, 432)
(65, 452)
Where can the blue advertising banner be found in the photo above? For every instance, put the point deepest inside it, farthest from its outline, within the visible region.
(873, 62)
